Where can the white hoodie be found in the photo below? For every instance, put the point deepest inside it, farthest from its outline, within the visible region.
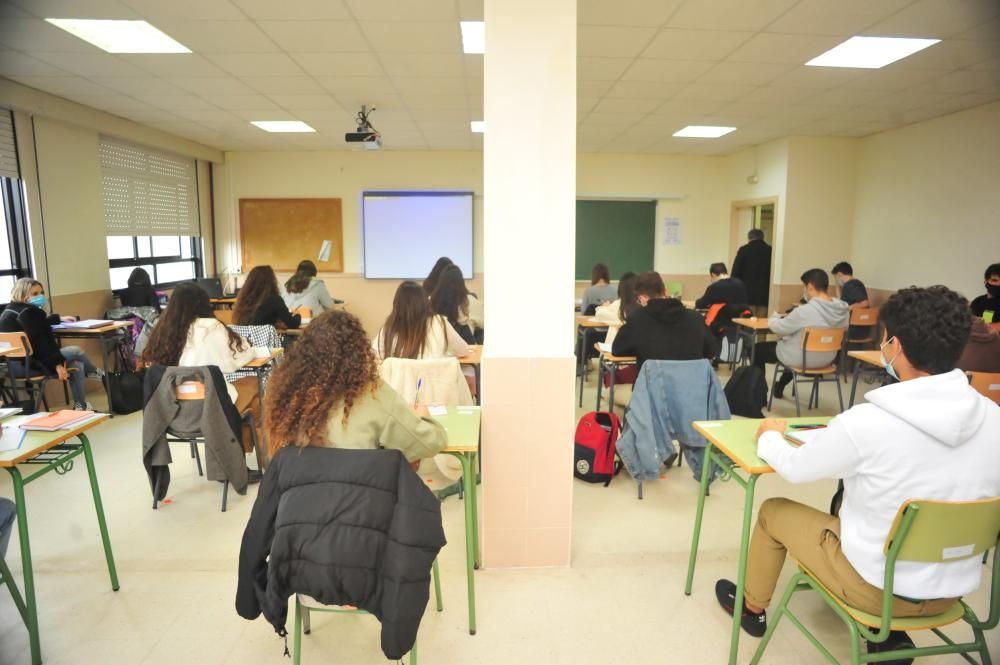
(208, 344)
(929, 438)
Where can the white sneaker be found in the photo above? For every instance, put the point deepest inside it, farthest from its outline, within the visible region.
(83, 406)
(98, 373)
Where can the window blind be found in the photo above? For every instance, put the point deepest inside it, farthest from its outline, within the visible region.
(148, 192)
(8, 150)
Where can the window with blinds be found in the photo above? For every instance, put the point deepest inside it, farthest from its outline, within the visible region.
(148, 192)
(8, 150)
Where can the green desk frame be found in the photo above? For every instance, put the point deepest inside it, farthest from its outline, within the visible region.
(58, 458)
(732, 444)
(462, 426)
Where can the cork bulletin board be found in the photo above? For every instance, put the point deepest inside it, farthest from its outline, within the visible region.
(282, 232)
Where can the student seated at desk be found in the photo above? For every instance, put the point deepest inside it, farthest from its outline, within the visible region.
(25, 314)
(304, 289)
(260, 304)
(724, 290)
(819, 311)
(452, 300)
(662, 328)
(431, 281)
(413, 331)
(852, 289)
(600, 290)
(982, 353)
(188, 335)
(140, 291)
(617, 311)
(930, 436)
(341, 402)
(987, 306)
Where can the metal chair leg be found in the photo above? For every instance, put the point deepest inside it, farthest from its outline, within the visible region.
(798, 407)
(840, 397)
(197, 457)
(638, 484)
(225, 494)
(306, 620)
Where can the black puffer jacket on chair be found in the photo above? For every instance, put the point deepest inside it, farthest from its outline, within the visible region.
(347, 527)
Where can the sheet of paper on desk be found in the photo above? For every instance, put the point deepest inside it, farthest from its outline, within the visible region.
(10, 438)
(87, 323)
(5, 413)
(261, 352)
(437, 410)
(604, 346)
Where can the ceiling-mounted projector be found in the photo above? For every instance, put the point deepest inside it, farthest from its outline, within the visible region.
(366, 137)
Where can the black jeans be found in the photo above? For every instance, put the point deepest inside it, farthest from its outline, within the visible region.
(767, 352)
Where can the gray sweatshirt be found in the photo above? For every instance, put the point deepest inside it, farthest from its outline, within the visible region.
(816, 313)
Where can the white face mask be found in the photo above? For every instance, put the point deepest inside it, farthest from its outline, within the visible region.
(841, 281)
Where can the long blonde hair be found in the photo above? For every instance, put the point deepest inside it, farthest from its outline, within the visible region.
(22, 289)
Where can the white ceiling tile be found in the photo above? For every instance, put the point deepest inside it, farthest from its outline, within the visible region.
(842, 17)
(96, 63)
(585, 105)
(625, 12)
(353, 101)
(819, 78)
(777, 94)
(339, 64)
(283, 85)
(616, 105)
(470, 10)
(224, 85)
(729, 14)
(8, 11)
(136, 86)
(913, 98)
(174, 64)
(790, 49)
(357, 85)
(62, 86)
(694, 44)
(744, 73)
(593, 88)
(960, 102)
(474, 87)
(207, 118)
(404, 10)
(198, 10)
(117, 104)
(475, 104)
(891, 79)
(442, 86)
(987, 31)
(256, 64)
(614, 120)
(96, 9)
(423, 64)
(992, 65)
(300, 102)
(13, 63)
(316, 36)
(33, 35)
(474, 65)
(413, 36)
(219, 36)
(298, 10)
(269, 112)
(422, 116)
(425, 101)
(936, 18)
(611, 41)
(949, 54)
(967, 81)
(667, 71)
(236, 102)
(846, 96)
(175, 102)
(713, 93)
(679, 108)
(644, 90)
(601, 69)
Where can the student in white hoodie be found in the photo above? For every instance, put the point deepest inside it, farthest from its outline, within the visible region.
(820, 311)
(304, 289)
(930, 436)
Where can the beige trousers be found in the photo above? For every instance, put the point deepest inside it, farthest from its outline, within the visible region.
(812, 537)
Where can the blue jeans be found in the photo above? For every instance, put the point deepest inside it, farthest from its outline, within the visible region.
(7, 515)
(75, 357)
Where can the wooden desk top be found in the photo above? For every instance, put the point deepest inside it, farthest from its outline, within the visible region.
(590, 322)
(223, 301)
(617, 360)
(117, 325)
(462, 425)
(737, 438)
(753, 323)
(873, 358)
(473, 357)
(258, 363)
(9, 351)
(36, 443)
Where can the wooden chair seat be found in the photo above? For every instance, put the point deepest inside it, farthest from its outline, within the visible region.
(829, 369)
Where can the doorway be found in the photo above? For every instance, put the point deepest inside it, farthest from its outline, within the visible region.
(752, 214)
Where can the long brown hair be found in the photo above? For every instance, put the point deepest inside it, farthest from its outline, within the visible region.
(187, 303)
(431, 281)
(260, 285)
(298, 282)
(332, 363)
(405, 330)
(451, 297)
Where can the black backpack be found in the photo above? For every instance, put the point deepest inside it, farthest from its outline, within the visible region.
(746, 392)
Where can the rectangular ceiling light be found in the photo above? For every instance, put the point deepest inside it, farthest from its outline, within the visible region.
(870, 52)
(282, 126)
(478, 126)
(473, 36)
(703, 132)
(120, 36)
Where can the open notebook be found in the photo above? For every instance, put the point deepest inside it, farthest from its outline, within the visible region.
(85, 324)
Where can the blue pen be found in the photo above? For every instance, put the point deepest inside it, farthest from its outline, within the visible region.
(416, 398)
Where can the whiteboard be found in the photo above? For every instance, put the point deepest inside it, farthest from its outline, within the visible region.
(405, 232)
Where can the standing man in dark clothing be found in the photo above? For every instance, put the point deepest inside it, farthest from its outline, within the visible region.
(753, 267)
(723, 290)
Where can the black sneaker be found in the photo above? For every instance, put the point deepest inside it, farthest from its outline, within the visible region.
(754, 624)
(897, 640)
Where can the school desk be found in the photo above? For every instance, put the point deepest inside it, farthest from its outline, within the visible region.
(261, 367)
(609, 362)
(50, 451)
(751, 329)
(473, 359)
(222, 303)
(872, 365)
(585, 327)
(105, 334)
(737, 441)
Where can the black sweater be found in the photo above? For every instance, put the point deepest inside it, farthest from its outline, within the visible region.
(273, 310)
(728, 291)
(33, 321)
(753, 266)
(665, 330)
(347, 527)
(140, 296)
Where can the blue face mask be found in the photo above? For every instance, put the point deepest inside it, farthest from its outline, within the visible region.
(888, 363)
(37, 301)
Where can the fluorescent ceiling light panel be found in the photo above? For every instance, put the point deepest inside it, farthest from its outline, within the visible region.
(120, 36)
(870, 52)
(473, 36)
(478, 126)
(703, 132)
(283, 126)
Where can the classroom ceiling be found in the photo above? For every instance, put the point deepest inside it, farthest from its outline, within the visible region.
(646, 68)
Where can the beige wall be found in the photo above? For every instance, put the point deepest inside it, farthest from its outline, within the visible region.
(928, 202)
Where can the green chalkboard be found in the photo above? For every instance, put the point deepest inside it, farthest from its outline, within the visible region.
(618, 233)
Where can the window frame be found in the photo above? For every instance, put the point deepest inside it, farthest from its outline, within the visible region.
(137, 261)
(18, 234)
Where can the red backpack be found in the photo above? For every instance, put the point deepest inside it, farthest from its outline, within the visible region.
(594, 447)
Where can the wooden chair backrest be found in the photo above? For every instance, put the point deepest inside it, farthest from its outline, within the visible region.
(16, 340)
(304, 312)
(818, 340)
(987, 383)
(224, 315)
(864, 317)
(190, 391)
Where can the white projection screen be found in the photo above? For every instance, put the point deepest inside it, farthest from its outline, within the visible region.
(405, 232)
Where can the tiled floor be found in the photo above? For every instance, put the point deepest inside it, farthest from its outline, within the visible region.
(620, 602)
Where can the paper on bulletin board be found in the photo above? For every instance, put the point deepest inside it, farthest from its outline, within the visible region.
(324, 251)
(672, 231)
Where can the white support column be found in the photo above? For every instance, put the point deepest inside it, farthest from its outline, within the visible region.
(529, 244)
